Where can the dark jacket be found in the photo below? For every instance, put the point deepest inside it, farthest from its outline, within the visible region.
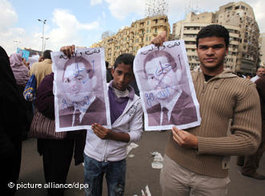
(10, 110)
(260, 84)
(10, 126)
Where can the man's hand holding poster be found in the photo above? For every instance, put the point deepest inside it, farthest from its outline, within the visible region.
(80, 89)
(166, 87)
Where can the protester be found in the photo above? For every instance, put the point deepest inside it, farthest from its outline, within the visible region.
(10, 127)
(57, 153)
(105, 150)
(108, 72)
(43, 67)
(259, 73)
(248, 76)
(21, 73)
(126, 119)
(196, 159)
(20, 69)
(251, 163)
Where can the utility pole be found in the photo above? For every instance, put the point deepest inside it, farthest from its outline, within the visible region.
(46, 38)
(43, 23)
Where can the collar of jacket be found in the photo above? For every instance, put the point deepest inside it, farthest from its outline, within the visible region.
(198, 75)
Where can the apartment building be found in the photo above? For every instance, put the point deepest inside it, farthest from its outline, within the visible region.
(130, 39)
(240, 21)
(188, 29)
(262, 48)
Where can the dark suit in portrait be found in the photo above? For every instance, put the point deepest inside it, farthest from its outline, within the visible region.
(96, 113)
(184, 112)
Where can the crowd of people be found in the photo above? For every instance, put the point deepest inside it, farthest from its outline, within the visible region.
(195, 160)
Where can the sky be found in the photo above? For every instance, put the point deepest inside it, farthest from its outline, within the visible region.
(82, 22)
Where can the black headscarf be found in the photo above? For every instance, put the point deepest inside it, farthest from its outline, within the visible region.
(10, 107)
(7, 79)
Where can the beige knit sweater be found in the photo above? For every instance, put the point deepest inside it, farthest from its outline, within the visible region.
(222, 98)
(41, 69)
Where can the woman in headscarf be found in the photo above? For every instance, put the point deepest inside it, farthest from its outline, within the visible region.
(21, 72)
(10, 127)
(57, 153)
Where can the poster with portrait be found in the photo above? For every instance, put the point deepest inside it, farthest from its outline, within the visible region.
(166, 88)
(80, 90)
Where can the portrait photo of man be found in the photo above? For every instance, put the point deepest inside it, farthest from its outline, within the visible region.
(81, 97)
(165, 90)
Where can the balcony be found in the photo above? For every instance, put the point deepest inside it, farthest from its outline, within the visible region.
(191, 32)
(190, 47)
(234, 35)
(158, 23)
(234, 43)
(193, 39)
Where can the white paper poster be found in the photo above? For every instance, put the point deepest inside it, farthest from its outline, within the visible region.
(80, 90)
(166, 87)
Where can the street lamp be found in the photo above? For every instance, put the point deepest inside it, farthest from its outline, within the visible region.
(43, 22)
(44, 45)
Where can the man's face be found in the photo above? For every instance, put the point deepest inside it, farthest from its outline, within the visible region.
(260, 71)
(211, 52)
(161, 77)
(76, 82)
(122, 76)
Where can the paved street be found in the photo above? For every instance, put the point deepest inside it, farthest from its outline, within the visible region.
(139, 171)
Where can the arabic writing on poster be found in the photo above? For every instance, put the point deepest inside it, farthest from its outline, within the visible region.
(166, 87)
(80, 89)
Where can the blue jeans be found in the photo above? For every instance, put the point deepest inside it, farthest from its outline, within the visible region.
(115, 176)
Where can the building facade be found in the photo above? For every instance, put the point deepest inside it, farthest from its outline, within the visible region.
(262, 49)
(240, 21)
(130, 39)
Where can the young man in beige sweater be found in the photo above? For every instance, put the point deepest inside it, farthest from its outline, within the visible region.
(196, 159)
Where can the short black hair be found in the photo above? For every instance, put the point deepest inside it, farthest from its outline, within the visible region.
(213, 30)
(125, 58)
(47, 54)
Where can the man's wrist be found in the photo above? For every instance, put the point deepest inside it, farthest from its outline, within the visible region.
(109, 134)
(195, 146)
